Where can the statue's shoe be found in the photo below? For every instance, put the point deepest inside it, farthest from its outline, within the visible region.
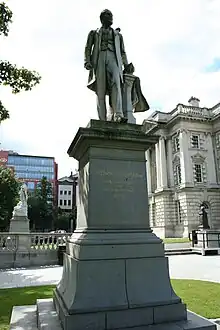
(124, 120)
(120, 119)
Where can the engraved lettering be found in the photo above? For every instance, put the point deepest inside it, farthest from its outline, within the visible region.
(119, 183)
(105, 173)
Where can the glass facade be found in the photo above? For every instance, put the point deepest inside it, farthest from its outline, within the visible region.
(32, 168)
(30, 185)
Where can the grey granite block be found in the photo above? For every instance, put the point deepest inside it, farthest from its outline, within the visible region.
(196, 322)
(47, 318)
(23, 318)
(170, 313)
(129, 318)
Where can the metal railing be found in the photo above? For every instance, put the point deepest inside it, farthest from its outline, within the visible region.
(206, 240)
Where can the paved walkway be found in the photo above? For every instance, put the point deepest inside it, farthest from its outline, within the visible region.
(13, 278)
(181, 266)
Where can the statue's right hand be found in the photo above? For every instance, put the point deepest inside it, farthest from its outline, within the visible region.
(88, 66)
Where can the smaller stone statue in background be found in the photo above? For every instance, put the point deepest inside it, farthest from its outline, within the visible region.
(21, 208)
(203, 218)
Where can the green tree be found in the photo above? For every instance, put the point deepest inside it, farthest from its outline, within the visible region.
(63, 220)
(33, 212)
(40, 206)
(9, 195)
(19, 79)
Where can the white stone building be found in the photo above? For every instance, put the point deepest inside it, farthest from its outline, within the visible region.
(184, 168)
(67, 192)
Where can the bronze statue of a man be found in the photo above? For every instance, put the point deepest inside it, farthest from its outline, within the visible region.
(105, 57)
(204, 224)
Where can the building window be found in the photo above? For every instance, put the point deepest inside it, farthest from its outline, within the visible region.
(176, 143)
(177, 171)
(69, 202)
(195, 141)
(61, 192)
(64, 202)
(65, 192)
(69, 192)
(178, 174)
(198, 173)
(217, 139)
(61, 202)
(31, 185)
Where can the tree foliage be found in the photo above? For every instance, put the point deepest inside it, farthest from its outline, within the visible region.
(19, 79)
(63, 220)
(66, 220)
(9, 195)
(5, 19)
(40, 206)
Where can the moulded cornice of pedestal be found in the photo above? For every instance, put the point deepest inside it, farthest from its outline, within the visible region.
(109, 134)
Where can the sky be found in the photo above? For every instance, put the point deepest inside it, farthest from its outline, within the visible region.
(174, 46)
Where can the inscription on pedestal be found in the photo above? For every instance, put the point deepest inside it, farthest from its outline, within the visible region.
(120, 184)
(121, 192)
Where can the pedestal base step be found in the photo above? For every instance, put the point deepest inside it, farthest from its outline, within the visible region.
(44, 313)
(24, 318)
(170, 252)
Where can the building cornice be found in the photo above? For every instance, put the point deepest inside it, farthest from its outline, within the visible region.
(186, 112)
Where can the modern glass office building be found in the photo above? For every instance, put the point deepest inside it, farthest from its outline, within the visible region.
(31, 169)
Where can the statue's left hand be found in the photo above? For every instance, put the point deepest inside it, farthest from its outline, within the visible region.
(88, 66)
(129, 68)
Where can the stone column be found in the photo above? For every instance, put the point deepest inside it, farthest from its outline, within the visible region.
(158, 172)
(127, 102)
(185, 161)
(210, 161)
(163, 162)
(149, 182)
(169, 162)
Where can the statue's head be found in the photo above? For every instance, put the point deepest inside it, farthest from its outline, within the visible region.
(106, 17)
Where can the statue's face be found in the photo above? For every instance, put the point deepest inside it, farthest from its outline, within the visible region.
(107, 18)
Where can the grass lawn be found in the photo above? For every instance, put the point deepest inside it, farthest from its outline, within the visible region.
(175, 240)
(20, 297)
(200, 297)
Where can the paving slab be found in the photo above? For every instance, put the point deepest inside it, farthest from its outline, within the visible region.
(22, 277)
(24, 318)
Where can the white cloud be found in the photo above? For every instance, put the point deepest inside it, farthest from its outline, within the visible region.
(170, 43)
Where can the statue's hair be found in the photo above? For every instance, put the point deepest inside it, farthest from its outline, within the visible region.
(104, 12)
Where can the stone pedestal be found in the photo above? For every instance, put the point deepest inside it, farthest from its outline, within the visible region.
(115, 274)
(19, 224)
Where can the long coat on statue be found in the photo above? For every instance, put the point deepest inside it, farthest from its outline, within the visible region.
(92, 51)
